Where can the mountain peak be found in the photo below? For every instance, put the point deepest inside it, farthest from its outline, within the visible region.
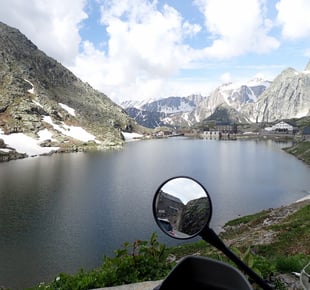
(308, 67)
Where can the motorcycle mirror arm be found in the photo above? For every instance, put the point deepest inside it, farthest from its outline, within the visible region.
(211, 237)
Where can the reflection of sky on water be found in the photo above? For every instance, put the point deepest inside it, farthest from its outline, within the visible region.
(185, 189)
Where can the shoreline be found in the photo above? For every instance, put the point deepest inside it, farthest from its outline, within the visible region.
(307, 197)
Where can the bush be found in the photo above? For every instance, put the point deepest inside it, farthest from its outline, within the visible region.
(288, 264)
(257, 263)
(134, 262)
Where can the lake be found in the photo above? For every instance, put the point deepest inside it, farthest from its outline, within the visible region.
(63, 212)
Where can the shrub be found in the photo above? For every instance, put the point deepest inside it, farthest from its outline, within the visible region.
(134, 262)
(288, 264)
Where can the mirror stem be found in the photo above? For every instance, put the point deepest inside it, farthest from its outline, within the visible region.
(211, 237)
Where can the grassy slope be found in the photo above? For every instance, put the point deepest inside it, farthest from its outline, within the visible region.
(301, 150)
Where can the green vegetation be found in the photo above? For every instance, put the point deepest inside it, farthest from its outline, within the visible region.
(134, 262)
(301, 150)
(288, 251)
(292, 236)
(257, 217)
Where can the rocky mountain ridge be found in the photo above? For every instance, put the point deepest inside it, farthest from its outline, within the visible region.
(258, 100)
(38, 94)
(287, 97)
(156, 113)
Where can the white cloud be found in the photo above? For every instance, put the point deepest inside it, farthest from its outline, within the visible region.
(294, 18)
(236, 27)
(51, 25)
(145, 47)
(226, 77)
(146, 39)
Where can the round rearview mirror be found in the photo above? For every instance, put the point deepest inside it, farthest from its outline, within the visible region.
(182, 207)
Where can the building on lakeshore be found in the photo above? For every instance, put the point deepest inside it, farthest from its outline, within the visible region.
(211, 135)
(220, 130)
(306, 134)
(282, 127)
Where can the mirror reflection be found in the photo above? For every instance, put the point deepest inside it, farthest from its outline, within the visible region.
(305, 277)
(182, 207)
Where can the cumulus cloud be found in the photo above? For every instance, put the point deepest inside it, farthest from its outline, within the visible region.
(236, 27)
(145, 46)
(52, 25)
(148, 39)
(293, 16)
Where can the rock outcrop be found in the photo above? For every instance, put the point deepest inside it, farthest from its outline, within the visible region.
(37, 93)
(287, 97)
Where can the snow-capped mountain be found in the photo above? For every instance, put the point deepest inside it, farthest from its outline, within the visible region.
(138, 104)
(167, 111)
(257, 100)
(167, 105)
(174, 105)
(186, 111)
(236, 96)
(146, 118)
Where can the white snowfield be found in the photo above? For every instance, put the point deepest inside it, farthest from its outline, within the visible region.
(31, 91)
(304, 198)
(25, 144)
(70, 110)
(77, 133)
(131, 136)
(31, 146)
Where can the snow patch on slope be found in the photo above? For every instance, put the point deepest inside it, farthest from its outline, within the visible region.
(31, 91)
(70, 110)
(25, 144)
(77, 133)
(131, 136)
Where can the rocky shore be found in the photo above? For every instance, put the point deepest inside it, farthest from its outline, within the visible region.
(259, 231)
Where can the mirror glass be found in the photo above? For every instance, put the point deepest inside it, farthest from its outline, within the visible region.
(182, 207)
(305, 277)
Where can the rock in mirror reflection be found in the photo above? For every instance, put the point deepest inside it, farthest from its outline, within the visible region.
(181, 219)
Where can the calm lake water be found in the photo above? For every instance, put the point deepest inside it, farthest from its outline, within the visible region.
(64, 212)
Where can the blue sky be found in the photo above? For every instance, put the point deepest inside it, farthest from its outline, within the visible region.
(137, 49)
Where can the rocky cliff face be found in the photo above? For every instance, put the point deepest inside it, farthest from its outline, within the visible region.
(237, 96)
(38, 94)
(287, 97)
